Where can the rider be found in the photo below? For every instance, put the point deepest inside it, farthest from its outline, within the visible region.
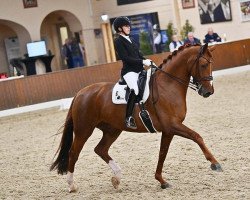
(133, 61)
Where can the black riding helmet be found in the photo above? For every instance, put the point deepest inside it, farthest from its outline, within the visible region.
(119, 22)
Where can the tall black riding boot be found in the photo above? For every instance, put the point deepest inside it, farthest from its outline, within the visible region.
(130, 121)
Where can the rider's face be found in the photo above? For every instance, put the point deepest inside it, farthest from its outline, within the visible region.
(126, 29)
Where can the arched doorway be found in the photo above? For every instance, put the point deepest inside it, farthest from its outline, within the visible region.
(55, 28)
(13, 40)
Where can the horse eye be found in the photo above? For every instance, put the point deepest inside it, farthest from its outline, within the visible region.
(204, 65)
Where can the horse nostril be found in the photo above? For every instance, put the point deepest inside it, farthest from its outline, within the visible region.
(207, 94)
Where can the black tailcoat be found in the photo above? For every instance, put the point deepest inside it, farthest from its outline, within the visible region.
(130, 55)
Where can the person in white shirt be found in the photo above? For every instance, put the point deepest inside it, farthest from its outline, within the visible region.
(157, 38)
(175, 44)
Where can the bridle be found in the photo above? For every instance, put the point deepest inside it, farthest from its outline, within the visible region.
(194, 84)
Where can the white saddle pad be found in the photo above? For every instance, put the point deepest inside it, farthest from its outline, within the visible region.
(119, 91)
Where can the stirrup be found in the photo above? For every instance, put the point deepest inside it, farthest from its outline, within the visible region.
(130, 122)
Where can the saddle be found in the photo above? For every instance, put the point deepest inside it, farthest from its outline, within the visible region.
(121, 91)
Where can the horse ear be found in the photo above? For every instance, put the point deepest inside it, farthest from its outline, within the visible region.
(212, 48)
(205, 47)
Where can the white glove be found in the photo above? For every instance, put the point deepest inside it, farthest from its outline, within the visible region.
(147, 62)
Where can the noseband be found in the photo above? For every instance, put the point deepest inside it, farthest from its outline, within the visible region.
(195, 84)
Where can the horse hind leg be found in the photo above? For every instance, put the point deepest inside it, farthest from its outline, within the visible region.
(109, 136)
(166, 139)
(80, 138)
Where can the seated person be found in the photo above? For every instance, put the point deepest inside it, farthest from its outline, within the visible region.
(191, 39)
(175, 44)
(211, 37)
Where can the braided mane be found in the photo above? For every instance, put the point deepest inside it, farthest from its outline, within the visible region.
(174, 53)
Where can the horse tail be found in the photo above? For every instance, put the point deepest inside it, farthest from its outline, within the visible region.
(61, 162)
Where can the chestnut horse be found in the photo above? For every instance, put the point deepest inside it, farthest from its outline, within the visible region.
(92, 108)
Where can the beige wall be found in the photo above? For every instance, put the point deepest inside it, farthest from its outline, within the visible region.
(10, 29)
(172, 11)
(234, 30)
(31, 19)
(87, 13)
(165, 9)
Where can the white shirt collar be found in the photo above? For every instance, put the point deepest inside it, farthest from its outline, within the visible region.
(126, 37)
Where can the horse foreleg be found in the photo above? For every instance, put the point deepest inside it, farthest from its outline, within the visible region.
(182, 130)
(116, 179)
(109, 136)
(166, 139)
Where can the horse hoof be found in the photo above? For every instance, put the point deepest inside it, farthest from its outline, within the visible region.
(73, 188)
(165, 186)
(115, 182)
(216, 167)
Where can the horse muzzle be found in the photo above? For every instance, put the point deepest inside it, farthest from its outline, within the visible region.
(204, 92)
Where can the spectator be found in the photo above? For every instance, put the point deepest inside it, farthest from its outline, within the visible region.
(211, 37)
(67, 54)
(175, 44)
(191, 39)
(157, 38)
(77, 53)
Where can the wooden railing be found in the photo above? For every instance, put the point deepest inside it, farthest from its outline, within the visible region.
(63, 84)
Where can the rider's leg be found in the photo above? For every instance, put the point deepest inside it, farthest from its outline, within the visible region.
(131, 79)
(130, 121)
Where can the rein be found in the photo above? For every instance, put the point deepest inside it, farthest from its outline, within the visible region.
(195, 83)
(179, 80)
(183, 82)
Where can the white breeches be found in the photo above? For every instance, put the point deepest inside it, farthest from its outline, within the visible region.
(131, 79)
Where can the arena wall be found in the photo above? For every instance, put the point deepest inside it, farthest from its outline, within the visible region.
(63, 84)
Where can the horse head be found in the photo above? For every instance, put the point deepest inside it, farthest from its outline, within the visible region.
(191, 60)
(202, 71)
